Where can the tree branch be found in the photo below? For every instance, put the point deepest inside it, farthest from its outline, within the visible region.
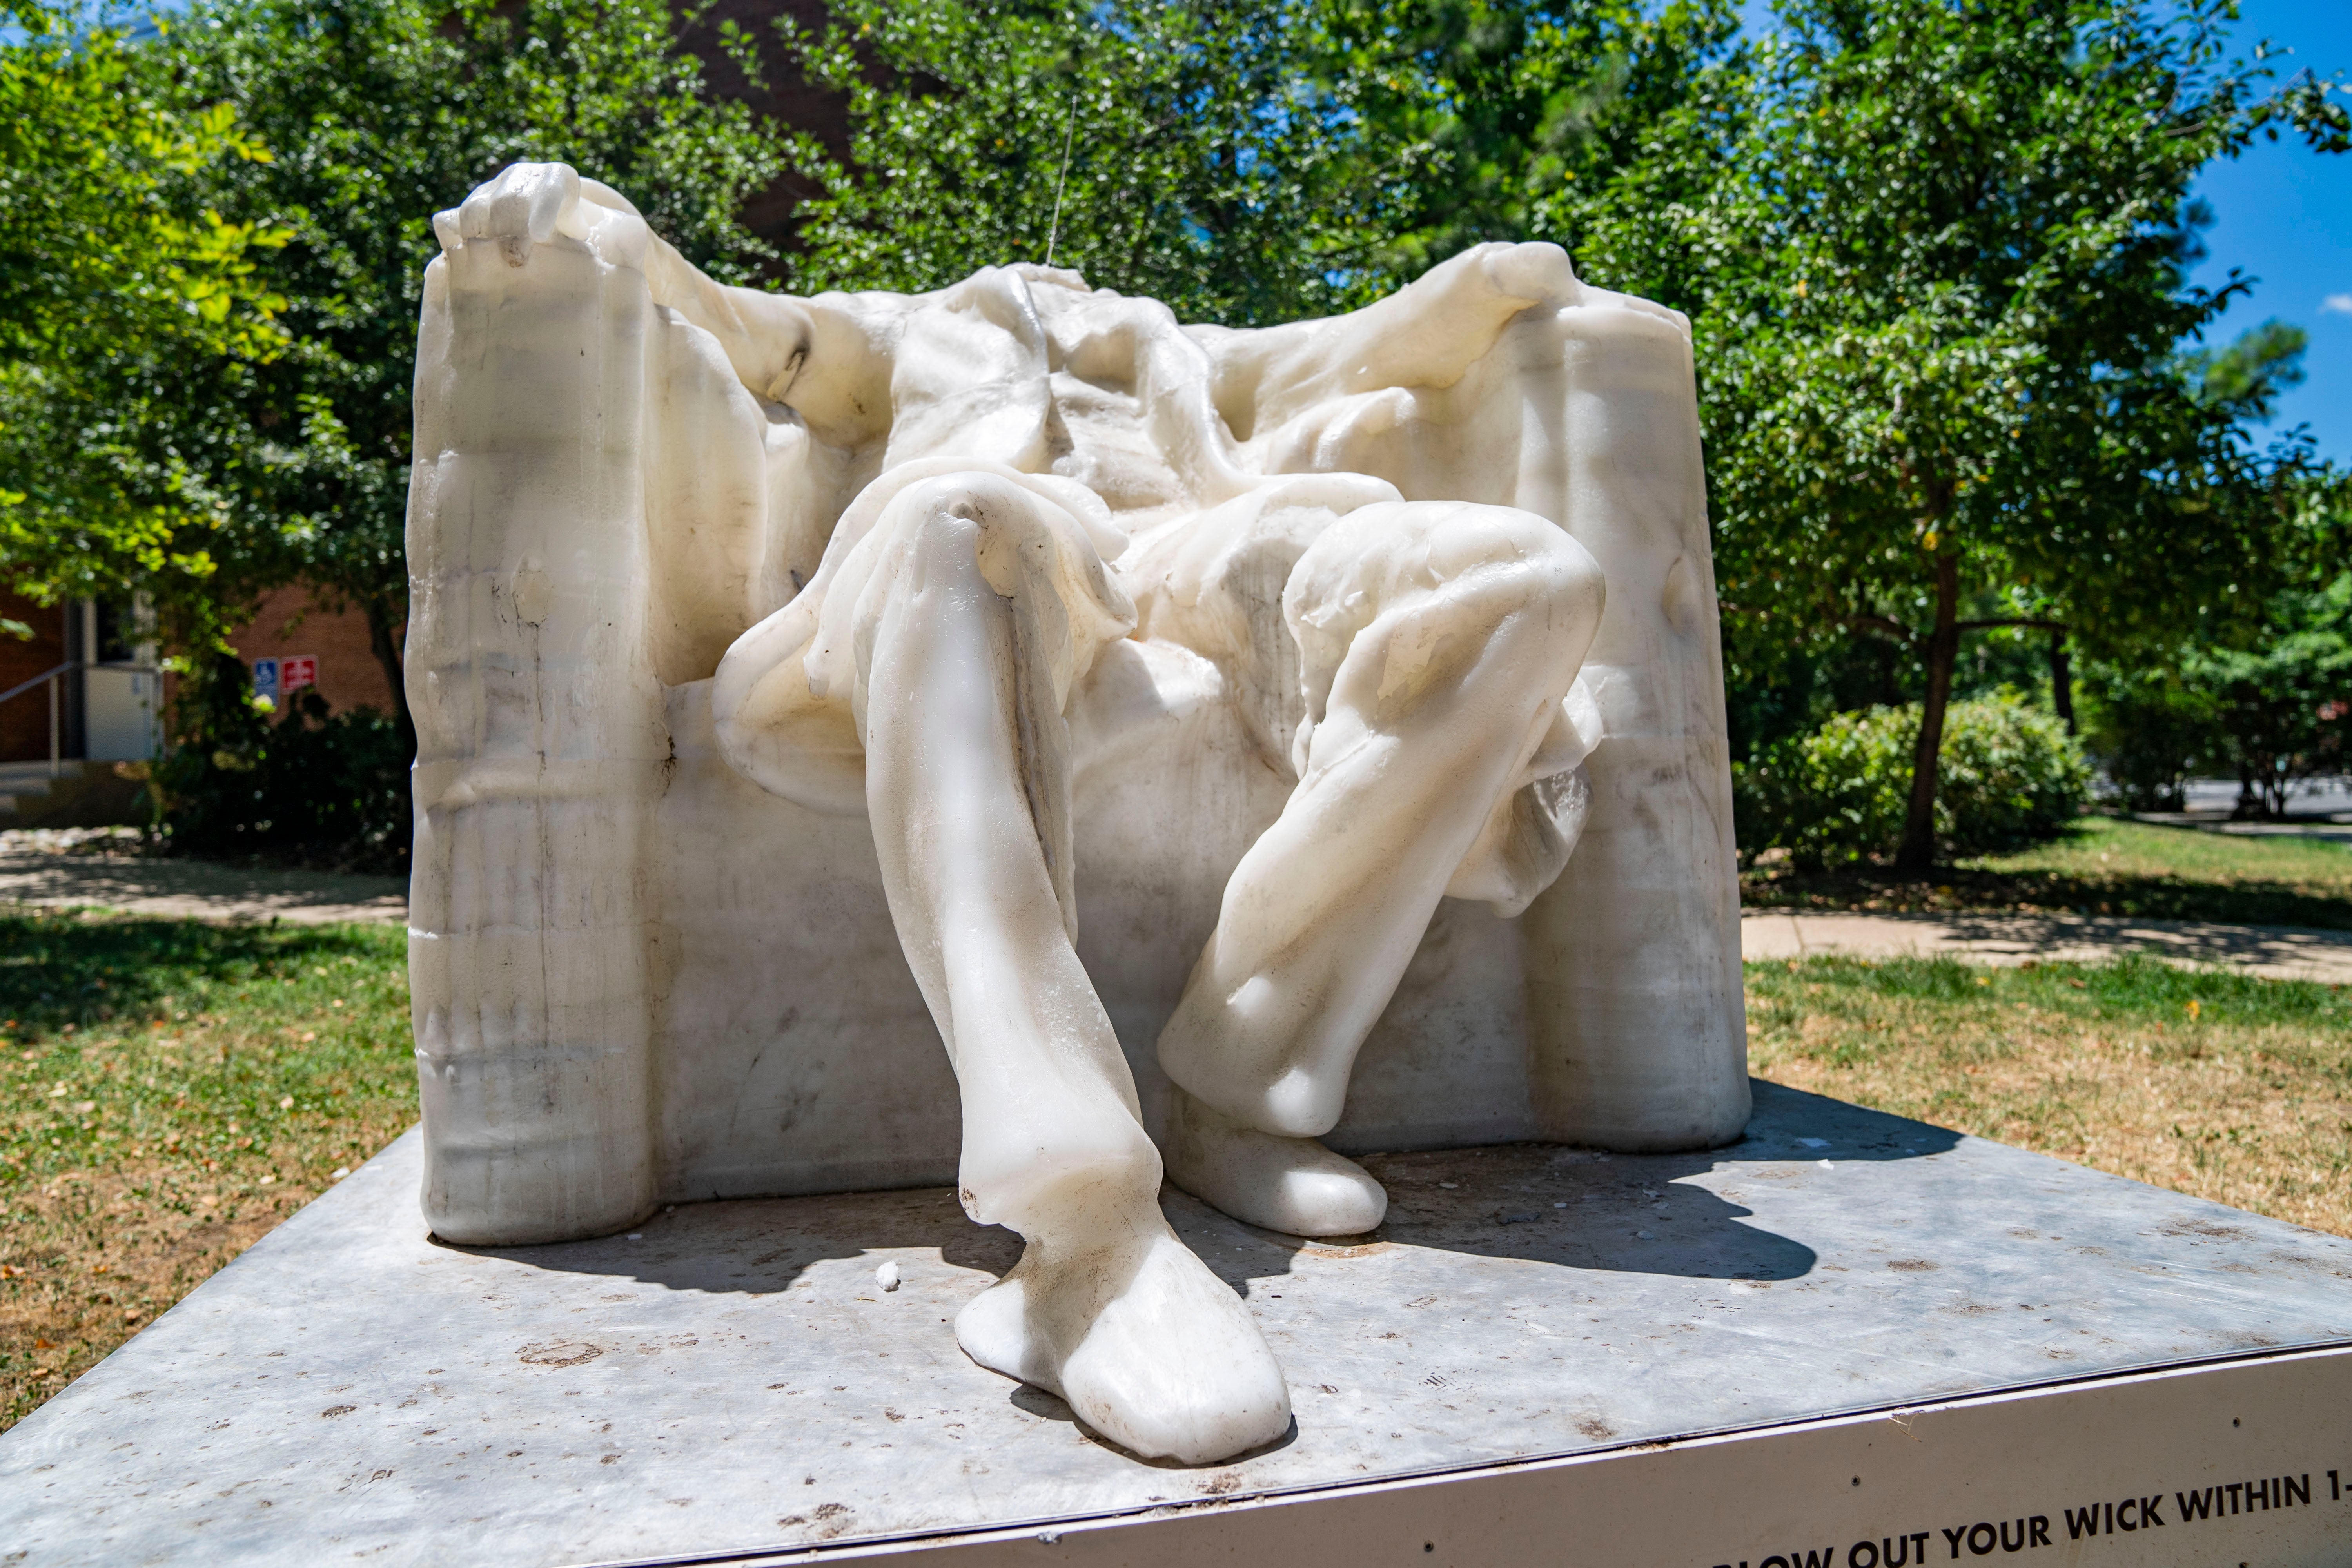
(2034, 625)
(1885, 623)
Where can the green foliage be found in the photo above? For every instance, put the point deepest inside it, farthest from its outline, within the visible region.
(302, 785)
(1200, 164)
(208, 479)
(1956, 336)
(107, 248)
(100, 240)
(1939, 278)
(2272, 713)
(1493, 120)
(1245, 163)
(2149, 728)
(2285, 705)
(1839, 795)
(2248, 375)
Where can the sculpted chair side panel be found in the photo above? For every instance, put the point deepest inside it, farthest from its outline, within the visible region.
(1587, 414)
(541, 746)
(1638, 1035)
(793, 1053)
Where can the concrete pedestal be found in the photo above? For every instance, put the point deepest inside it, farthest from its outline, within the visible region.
(1851, 1338)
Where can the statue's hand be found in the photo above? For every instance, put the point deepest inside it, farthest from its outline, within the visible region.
(529, 204)
(1426, 334)
(1529, 273)
(524, 205)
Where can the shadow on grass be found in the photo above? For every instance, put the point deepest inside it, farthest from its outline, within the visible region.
(85, 970)
(2243, 896)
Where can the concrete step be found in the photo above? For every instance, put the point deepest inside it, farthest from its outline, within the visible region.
(80, 795)
(28, 780)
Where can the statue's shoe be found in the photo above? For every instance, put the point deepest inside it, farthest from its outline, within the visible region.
(1147, 1346)
(1291, 1184)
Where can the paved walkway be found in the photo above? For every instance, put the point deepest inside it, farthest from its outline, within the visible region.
(2336, 827)
(80, 867)
(2278, 952)
(2319, 809)
(65, 866)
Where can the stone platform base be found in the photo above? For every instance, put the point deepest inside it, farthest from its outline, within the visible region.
(1849, 1339)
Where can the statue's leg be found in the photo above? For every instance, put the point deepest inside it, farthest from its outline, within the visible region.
(1438, 641)
(964, 658)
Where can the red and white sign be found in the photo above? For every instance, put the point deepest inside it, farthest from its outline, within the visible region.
(298, 670)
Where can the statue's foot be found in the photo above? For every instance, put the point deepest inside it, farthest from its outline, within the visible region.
(1291, 1184)
(1147, 1346)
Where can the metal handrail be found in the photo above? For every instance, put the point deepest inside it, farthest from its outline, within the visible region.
(24, 686)
(49, 677)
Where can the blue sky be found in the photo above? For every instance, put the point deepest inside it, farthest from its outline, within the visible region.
(2283, 214)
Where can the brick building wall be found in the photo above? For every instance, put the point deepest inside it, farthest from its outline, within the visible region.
(25, 719)
(289, 623)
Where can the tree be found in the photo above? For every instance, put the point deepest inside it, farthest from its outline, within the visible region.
(254, 473)
(2275, 710)
(2284, 707)
(103, 249)
(1500, 120)
(1246, 163)
(1175, 147)
(97, 242)
(1939, 290)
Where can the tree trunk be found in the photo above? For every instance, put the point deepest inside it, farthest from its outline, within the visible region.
(1918, 851)
(2249, 805)
(2062, 680)
(386, 649)
(1890, 675)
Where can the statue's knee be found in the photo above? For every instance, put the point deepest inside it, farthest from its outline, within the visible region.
(1567, 580)
(1499, 565)
(973, 524)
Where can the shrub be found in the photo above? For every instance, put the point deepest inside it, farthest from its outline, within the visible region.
(302, 785)
(2008, 775)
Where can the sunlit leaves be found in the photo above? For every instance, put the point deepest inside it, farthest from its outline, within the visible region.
(1941, 288)
(210, 478)
(101, 238)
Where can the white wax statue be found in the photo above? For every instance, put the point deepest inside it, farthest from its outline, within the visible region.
(937, 551)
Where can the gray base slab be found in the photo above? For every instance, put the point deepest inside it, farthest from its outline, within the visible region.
(731, 1380)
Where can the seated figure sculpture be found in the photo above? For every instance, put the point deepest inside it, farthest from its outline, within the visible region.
(939, 571)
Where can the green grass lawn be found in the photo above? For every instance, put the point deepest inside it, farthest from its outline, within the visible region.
(2102, 866)
(2233, 1088)
(173, 1089)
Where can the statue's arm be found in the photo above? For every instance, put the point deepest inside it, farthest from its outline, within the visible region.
(1428, 333)
(783, 349)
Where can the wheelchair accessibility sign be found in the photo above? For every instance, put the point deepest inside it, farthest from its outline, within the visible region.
(276, 678)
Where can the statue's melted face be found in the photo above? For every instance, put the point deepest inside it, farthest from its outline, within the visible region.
(1097, 435)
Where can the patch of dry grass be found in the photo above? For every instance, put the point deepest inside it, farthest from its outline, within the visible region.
(169, 1091)
(2232, 1089)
